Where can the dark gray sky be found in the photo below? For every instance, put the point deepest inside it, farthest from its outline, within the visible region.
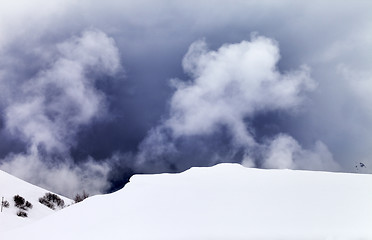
(95, 91)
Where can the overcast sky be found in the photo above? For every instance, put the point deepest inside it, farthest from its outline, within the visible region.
(94, 91)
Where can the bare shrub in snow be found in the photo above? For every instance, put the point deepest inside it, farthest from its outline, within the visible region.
(18, 201)
(28, 205)
(47, 203)
(79, 198)
(22, 204)
(6, 204)
(22, 214)
(52, 201)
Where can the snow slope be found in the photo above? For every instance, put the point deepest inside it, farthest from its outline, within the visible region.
(11, 186)
(224, 202)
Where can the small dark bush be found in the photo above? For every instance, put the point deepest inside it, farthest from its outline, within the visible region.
(79, 198)
(46, 203)
(18, 201)
(52, 200)
(21, 203)
(28, 205)
(6, 204)
(22, 214)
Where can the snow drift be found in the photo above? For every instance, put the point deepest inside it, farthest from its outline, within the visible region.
(226, 201)
(11, 186)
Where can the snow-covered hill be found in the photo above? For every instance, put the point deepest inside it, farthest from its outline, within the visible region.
(223, 202)
(11, 186)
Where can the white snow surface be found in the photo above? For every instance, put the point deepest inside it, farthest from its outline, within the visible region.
(11, 186)
(224, 202)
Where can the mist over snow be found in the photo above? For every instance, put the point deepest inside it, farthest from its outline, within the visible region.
(92, 92)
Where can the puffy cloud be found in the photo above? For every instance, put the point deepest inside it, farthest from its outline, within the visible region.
(227, 89)
(231, 84)
(285, 152)
(48, 110)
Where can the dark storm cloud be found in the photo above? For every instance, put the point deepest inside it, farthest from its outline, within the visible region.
(146, 126)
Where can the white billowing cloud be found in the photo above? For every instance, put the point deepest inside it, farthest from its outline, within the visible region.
(62, 177)
(49, 108)
(228, 88)
(285, 152)
(231, 84)
(93, 49)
